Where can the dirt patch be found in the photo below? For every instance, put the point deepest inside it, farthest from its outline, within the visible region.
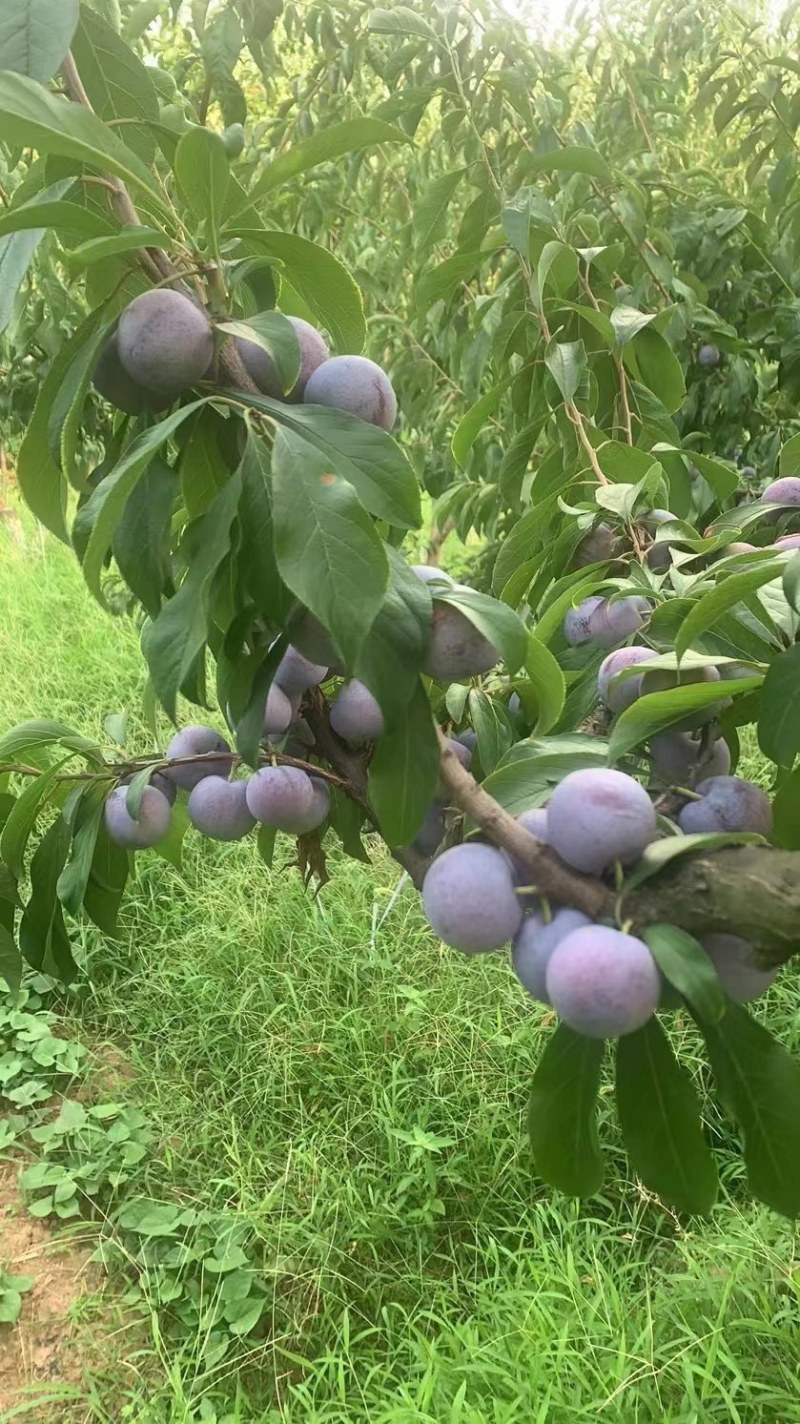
(40, 1350)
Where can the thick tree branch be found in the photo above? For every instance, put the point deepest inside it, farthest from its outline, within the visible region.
(752, 891)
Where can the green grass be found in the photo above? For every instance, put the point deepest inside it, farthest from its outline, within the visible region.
(357, 1095)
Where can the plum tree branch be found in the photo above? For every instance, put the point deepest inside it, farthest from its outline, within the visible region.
(753, 891)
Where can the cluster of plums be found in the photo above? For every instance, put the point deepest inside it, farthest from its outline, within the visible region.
(164, 344)
(600, 980)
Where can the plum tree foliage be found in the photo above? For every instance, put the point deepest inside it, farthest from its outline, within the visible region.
(580, 348)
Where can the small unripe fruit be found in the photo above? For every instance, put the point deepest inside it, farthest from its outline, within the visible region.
(597, 816)
(733, 960)
(603, 983)
(621, 694)
(729, 803)
(283, 797)
(218, 809)
(199, 742)
(534, 944)
(155, 819)
(577, 621)
(469, 899)
(708, 356)
(262, 369)
(354, 384)
(165, 342)
(355, 714)
(456, 649)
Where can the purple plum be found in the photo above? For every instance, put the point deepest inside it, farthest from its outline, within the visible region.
(663, 679)
(617, 696)
(535, 942)
(354, 384)
(736, 971)
(729, 803)
(611, 623)
(165, 342)
(577, 620)
(679, 757)
(200, 742)
(456, 649)
(296, 674)
(155, 819)
(603, 983)
(262, 370)
(469, 898)
(356, 715)
(598, 816)
(218, 809)
(709, 355)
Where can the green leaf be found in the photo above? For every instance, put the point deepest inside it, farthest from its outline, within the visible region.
(779, 717)
(726, 594)
(404, 770)
(722, 479)
(365, 456)
(321, 281)
(274, 333)
(495, 620)
(177, 637)
(27, 737)
(209, 454)
(568, 160)
(400, 20)
(202, 169)
(99, 249)
(429, 223)
(327, 144)
(394, 649)
(43, 937)
(17, 251)
(523, 541)
(33, 118)
(659, 853)
(652, 361)
(548, 683)
(566, 362)
(328, 551)
(257, 563)
(559, 263)
(786, 812)
(72, 882)
(657, 710)
(106, 884)
(524, 776)
(472, 422)
(760, 1083)
(439, 282)
(141, 541)
(20, 823)
(685, 964)
(265, 841)
(117, 83)
(790, 457)
(491, 726)
(43, 212)
(35, 35)
(42, 483)
(100, 515)
(659, 1113)
(627, 321)
(561, 1115)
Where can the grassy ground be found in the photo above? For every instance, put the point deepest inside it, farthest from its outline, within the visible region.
(357, 1097)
